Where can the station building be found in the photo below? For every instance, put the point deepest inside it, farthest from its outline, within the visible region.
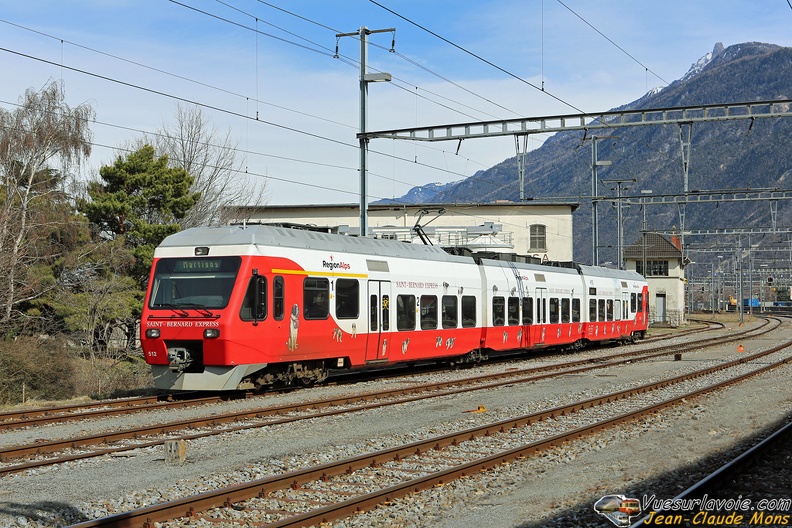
(661, 261)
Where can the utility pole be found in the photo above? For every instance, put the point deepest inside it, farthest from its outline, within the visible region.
(365, 78)
(594, 225)
(620, 225)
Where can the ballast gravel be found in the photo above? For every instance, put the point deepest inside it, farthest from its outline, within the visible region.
(660, 455)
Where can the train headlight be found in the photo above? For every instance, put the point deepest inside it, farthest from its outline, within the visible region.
(211, 333)
(153, 333)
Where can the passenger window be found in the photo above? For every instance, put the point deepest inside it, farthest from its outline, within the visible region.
(405, 312)
(565, 315)
(277, 298)
(593, 310)
(541, 310)
(514, 310)
(428, 312)
(374, 312)
(254, 305)
(498, 311)
(449, 311)
(385, 313)
(347, 299)
(468, 311)
(575, 310)
(527, 307)
(316, 298)
(554, 310)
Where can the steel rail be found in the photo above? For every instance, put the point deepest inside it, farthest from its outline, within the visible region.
(728, 471)
(188, 506)
(50, 415)
(548, 371)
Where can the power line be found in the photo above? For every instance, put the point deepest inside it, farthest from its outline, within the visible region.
(507, 72)
(612, 42)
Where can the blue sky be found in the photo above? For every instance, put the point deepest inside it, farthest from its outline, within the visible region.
(134, 60)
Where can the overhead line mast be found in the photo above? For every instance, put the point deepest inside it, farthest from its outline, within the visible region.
(365, 78)
(682, 116)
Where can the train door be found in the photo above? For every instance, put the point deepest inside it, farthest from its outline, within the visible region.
(379, 295)
(541, 315)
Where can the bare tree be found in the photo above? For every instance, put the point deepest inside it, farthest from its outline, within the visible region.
(211, 158)
(41, 132)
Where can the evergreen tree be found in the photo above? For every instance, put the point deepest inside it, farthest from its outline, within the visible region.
(142, 200)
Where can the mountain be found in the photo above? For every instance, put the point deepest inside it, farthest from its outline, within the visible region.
(723, 155)
(423, 194)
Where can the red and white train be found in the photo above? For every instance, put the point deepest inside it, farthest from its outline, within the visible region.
(254, 306)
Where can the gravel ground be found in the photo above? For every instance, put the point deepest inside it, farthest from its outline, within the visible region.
(556, 489)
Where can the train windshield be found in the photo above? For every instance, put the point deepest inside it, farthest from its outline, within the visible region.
(201, 282)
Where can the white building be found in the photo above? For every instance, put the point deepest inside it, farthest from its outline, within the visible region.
(663, 263)
(542, 230)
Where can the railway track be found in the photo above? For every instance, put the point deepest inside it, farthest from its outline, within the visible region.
(333, 490)
(52, 415)
(46, 453)
(750, 490)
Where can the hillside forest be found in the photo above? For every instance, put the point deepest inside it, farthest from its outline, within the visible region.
(76, 249)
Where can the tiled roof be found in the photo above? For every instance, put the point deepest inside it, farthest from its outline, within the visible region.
(657, 246)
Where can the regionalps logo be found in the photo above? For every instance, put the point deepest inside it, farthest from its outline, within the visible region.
(335, 265)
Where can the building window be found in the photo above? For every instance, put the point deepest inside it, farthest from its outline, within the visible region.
(655, 268)
(538, 234)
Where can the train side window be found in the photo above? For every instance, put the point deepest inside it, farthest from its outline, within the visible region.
(405, 312)
(593, 310)
(374, 309)
(254, 305)
(609, 310)
(527, 306)
(640, 303)
(316, 298)
(498, 311)
(514, 310)
(449, 307)
(565, 311)
(428, 312)
(347, 299)
(555, 311)
(468, 311)
(385, 313)
(277, 298)
(632, 303)
(575, 310)
(541, 310)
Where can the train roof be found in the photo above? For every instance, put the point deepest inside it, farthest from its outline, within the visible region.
(271, 236)
(597, 271)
